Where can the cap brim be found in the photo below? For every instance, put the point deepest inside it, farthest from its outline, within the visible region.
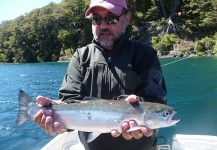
(110, 7)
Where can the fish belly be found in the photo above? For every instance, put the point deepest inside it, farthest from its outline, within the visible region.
(89, 121)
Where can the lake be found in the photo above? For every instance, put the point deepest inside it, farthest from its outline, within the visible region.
(191, 85)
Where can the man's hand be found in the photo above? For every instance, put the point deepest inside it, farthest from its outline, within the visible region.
(137, 134)
(44, 117)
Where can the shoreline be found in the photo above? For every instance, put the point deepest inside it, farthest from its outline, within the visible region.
(161, 57)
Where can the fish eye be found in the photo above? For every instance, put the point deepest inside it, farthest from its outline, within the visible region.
(166, 113)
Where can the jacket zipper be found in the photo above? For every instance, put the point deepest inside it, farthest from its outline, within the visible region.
(108, 82)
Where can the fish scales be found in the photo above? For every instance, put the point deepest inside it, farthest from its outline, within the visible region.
(104, 114)
(100, 116)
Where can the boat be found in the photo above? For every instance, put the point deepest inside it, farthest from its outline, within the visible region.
(71, 141)
(65, 141)
(194, 142)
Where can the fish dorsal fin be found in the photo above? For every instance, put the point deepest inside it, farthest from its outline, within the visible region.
(92, 136)
(137, 107)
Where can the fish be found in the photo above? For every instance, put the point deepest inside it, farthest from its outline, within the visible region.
(99, 115)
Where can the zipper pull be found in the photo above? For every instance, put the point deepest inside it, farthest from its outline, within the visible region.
(109, 60)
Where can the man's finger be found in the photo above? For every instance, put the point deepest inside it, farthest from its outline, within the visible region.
(43, 120)
(132, 99)
(137, 134)
(147, 132)
(43, 100)
(58, 127)
(125, 127)
(49, 126)
(115, 133)
(37, 117)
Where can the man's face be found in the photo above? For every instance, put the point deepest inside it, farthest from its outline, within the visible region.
(107, 34)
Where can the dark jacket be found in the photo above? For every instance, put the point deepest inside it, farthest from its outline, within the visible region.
(131, 68)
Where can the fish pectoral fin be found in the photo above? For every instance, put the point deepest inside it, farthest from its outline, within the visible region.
(92, 136)
(134, 128)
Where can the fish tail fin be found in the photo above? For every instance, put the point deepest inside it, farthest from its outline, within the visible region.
(23, 100)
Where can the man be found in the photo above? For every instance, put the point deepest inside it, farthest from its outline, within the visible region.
(112, 65)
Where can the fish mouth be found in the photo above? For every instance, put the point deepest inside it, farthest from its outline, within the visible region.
(171, 120)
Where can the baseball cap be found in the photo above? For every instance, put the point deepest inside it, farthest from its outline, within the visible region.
(114, 6)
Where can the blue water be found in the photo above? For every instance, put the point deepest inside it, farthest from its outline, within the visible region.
(36, 79)
(191, 84)
(192, 89)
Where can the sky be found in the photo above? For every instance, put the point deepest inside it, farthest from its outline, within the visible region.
(10, 9)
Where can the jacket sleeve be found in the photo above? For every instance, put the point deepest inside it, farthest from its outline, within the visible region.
(151, 85)
(71, 89)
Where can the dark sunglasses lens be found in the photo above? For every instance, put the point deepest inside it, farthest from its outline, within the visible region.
(111, 19)
(96, 20)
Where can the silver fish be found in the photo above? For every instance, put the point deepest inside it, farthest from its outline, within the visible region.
(100, 116)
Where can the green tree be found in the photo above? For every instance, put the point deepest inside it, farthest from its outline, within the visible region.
(205, 46)
(201, 15)
(42, 34)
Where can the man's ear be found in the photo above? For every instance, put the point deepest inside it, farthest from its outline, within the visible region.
(128, 18)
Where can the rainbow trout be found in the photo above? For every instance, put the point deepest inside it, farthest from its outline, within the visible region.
(100, 116)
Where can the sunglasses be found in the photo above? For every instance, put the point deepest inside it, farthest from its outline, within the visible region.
(111, 19)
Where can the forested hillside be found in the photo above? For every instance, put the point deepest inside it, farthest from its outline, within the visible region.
(55, 30)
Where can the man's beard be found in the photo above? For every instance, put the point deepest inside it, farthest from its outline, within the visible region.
(107, 44)
(110, 44)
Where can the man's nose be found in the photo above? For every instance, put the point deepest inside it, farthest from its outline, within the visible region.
(103, 24)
